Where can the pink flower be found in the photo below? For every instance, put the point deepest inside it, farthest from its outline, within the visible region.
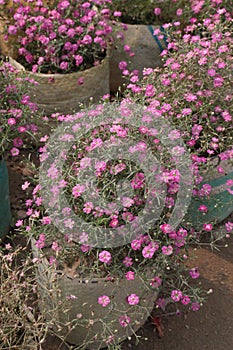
(52, 172)
(218, 81)
(195, 306)
(87, 39)
(229, 226)
(17, 142)
(53, 261)
(85, 248)
(78, 60)
(117, 168)
(117, 14)
(130, 275)
(94, 144)
(157, 11)
(179, 12)
(64, 65)
(122, 65)
(19, 223)
(185, 300)
(207, 227)
(166, 228)
(150, 90)
(128, 261)
(11, 121)
(194, 273)
(83, 238)
(104, 300)
(69, 223)
(174, 134)
(136, 244)
(25, 185)
(113, 223)
(40, 243)
(127, 202)
(105, 256)
(46, 220)
(127, 216)
(138, 181)
(100, 166)
(223, 48)
(124, 320)
(176, 295)
(85, 162)
(127, 48)
(14, 151)
(80, 81)
(186, 111)
(133, 299)
(211, 72)
(64, 4)
(88, 207)
(156, 282)
(167, 250)
(78, 190)
(55, 247)
(203, 208)
(149, 250)
(205, 190)
(12, 30)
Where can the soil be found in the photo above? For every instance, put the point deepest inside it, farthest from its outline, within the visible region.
(210, 328)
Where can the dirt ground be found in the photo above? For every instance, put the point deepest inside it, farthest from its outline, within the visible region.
(210, 328)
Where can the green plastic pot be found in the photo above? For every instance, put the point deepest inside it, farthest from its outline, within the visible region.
(219, 202)
(5, 210)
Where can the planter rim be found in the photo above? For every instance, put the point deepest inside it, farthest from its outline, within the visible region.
(19, 66)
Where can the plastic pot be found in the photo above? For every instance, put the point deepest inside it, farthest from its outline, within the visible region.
(5, 209)
(220, 200)
(64, 93)
(96, 325)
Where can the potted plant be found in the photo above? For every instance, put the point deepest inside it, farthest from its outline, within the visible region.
(15, 129)
(104, 224)
(138, 41)
(63, 46)
(143, 32)
(193, 90)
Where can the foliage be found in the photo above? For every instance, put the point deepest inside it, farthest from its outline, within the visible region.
(21, 326)
(165, 11)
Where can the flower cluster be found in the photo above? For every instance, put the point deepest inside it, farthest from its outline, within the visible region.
(194, 90)
(166, 11)
(16, 110)
(121, 193)
(61, 36)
